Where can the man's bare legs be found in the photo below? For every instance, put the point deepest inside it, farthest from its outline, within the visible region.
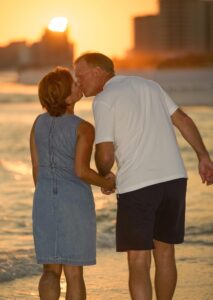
(165, 270)
(139, 275)
(49, 284)
(76, 289)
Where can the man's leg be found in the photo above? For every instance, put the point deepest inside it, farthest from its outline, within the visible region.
(139, 274)
(49, 285)
(75, 283)
(166, 272)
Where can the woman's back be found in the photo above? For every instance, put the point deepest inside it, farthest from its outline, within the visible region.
(55, 139)
(63, 211)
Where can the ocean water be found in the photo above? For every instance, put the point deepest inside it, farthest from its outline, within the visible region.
(18, 108)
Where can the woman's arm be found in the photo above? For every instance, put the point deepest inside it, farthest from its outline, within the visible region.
(84, 146)
(34, 155)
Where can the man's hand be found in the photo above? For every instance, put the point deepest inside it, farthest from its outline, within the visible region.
(206, 170)
(109, 176)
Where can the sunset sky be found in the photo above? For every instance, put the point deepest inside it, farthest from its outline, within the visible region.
(101, 25)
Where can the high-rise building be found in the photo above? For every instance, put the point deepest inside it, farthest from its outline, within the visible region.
(14, 55)
(182, 26)
(146, 33)
(53, 49)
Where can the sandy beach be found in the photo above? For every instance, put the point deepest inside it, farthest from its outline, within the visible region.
(19, 274)
(108, 279)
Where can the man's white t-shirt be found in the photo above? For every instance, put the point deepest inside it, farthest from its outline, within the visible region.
(134, 114)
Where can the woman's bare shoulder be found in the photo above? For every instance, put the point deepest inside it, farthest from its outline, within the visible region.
(86, 128)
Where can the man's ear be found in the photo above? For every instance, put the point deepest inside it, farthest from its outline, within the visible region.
(97, 71)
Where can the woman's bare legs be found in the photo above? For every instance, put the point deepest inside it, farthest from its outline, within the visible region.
(49, 284)
(76, 289)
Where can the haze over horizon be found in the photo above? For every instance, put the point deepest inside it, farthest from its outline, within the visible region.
(96, 25)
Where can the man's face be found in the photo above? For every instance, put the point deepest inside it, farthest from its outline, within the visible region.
(87, 78)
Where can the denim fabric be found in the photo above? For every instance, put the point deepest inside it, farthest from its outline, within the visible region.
(64, 223)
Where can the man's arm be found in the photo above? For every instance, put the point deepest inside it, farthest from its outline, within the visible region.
(104, 157)
(191, 134)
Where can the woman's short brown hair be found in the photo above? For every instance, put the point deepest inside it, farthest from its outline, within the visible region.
(53, 90)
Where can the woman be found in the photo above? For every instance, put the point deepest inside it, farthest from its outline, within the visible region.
(64, 225)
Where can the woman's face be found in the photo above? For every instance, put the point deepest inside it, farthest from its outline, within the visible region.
(76, 93)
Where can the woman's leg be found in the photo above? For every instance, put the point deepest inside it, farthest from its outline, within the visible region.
(49, 284)
(76, 289)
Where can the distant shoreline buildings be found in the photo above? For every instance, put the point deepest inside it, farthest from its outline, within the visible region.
(181, 27)
(53, 49)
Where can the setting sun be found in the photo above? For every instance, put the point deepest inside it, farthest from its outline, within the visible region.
(58, 24)
(88, 29)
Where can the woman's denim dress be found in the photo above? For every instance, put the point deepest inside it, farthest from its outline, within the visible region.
(64, 222)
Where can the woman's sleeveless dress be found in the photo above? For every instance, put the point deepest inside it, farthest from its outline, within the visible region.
(64, 222)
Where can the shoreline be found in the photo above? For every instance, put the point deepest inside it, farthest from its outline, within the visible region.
(185, 86)
(32, 99)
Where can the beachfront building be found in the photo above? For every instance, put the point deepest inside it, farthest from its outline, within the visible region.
(52, 50)
(182, 26)
(15, 54)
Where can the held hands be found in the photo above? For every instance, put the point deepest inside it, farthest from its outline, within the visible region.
(206, 170)
(111, 184)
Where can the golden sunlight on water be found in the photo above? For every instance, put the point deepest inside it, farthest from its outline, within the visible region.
(14, 88)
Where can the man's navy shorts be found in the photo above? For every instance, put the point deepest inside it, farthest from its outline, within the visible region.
(155, 212)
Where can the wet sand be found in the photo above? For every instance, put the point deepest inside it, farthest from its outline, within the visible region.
(108, 279)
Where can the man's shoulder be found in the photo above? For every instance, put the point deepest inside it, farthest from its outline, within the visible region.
(119, 85)
(138, 81)
(124, 86)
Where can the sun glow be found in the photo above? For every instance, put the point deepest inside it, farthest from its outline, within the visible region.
(58, 24)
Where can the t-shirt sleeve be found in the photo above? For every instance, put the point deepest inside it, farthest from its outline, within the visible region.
(171, 105)
(104, 122)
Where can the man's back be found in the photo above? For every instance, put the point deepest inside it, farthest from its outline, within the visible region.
(134, 114)
(133, 122)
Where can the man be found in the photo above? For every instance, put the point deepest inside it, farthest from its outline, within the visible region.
(134, 121)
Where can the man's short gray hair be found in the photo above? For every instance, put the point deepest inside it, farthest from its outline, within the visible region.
(99, 60)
